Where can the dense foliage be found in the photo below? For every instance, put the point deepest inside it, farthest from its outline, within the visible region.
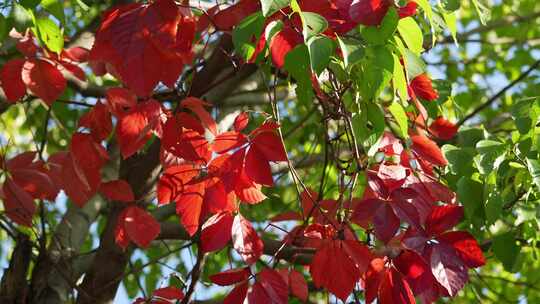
(269, 151)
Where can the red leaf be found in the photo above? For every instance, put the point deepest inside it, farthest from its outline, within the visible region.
(79, 185)
(117, 190)
(197, 106)
(257, 167)
(11, 79)
(394, 289)
(98, 120)
(386, 223)
(333, 259)
(443, 218)
(274, 286)
(245, 240)
(237, 295)
(226, 19)
(287, 216)
(119, 100)
(43, 79)
(87, 152)
(414, 269)
(447, 268)
(75, 70)
(443, 129)
(35, 182)
(269, 143)
(120, 234)
(368, 12)
(427, 149)
(241, 121)
(330, 10)
(248, 191)
(282, 43)
(298, 285)
(77, 54)
(359, 253)
(145, 43)
(134, 128)
(169, 293)
(408, 10)
(189, 207)
(172, 181)
(216, 232)
(141, 227)
(466, 247)
(18, 204)
(227, 141)
(230, 277)
(183, 136)
(422, 87)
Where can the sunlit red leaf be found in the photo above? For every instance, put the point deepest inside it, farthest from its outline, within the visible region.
(120, 100)
(282, 43)
(466, 247)
(135, 127)
(227, 141)
(241, 121)
(189, 207)
(172, 181)
(394, 289)
(216, 232)
(43, 79)
(98, 120)
(428, 150)
(443, 129)
(422, 87)
(141, 227)
(145, 43)
(245, 240)
(443, 218)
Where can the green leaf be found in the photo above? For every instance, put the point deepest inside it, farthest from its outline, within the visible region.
(413, 64)
(298, 65)
(506, 250)
(490, 155)
(411, 34)
(269, 7)
(470, 193)
(21, 18)
(376, 72)
(483, 10)
(50, 34)
(381, 34)
(450, 5)
(5, 27)
(533, 165)
(451, 22)
(243, 34)
(56, 8)
(399, 81)
(352, 51)
(312, 24)
(460, 159)
(400, 116)
(494, 207)
(29, 4)
(320, 50)
(272, 28)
